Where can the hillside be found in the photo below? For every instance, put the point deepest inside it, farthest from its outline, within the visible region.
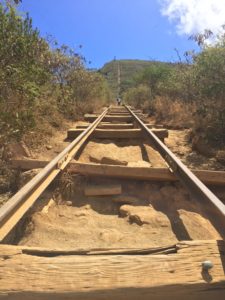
(128, 69)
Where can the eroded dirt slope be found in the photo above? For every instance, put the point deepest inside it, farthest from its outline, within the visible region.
(160, 215)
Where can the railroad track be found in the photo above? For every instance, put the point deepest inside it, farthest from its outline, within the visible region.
(115, 123)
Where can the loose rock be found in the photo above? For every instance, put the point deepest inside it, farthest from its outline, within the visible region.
(144, 215)
(113, 161)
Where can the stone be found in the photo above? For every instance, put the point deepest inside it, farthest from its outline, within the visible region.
(113, 161)
(48, 147)
(107, 160)
(46, 208)
(144, 215)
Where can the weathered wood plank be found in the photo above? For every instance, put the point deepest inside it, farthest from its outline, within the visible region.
(27, 276)
(49, 252)
(28, 164)
(117, 133)
(117, 126)
(108, 126)
(143, 173)
(139, 173)
(124, 112)
(103, 190)
(91, 118)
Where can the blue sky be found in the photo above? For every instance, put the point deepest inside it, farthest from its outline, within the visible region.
(127, 29)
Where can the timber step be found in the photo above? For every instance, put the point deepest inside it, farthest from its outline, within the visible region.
(117, 133)
(108, 118)
(35, 273)
(216, 178)
(105, 125)
(103, 190)
(92, 118)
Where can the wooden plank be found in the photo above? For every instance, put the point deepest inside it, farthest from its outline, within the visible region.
(87, 251)
(143, 173)
(103, 190)
(108, 133)
(115, 112)
(91, 118)
(117, 126)
(175, 276)
(117, 133)
(108, 126)
(140, 173)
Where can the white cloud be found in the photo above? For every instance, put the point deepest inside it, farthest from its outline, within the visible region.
(194, 16)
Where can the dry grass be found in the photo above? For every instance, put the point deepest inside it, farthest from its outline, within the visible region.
(174, 113)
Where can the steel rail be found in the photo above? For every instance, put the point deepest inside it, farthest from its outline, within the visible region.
(194, 185)
(15, 208)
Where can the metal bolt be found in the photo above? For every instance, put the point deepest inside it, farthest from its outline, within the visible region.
(207, 265)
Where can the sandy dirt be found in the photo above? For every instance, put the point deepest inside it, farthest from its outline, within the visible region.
(132, 151)
(162, 215)
(179, 142)
(55, 145)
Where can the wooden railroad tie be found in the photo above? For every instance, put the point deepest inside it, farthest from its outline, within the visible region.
(112, 118)
(36, 273)
(108, 125)
(117, 133)
(139, 173)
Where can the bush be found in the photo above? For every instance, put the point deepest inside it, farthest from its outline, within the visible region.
(37, 79)
(194, 89)
(23, 70)
(138, 96)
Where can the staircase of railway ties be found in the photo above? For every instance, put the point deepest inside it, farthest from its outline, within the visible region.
(117, 123)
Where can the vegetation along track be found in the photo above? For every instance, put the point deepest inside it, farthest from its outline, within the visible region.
(118, 194)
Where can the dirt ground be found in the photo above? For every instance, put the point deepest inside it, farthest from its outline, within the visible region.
(179, 142)
(134, 152)
(161, 215)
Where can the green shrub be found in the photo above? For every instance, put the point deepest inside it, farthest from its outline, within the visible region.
(32, 71)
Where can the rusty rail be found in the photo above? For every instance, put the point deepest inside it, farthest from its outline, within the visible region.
(15, 208)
